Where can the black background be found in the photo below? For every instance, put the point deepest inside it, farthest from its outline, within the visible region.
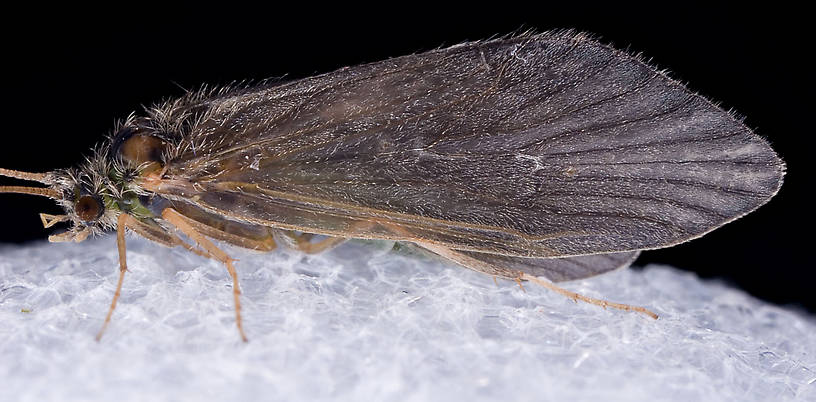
(70, 73)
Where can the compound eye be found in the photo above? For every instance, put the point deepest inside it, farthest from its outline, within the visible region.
(139, 146)
(139, 149)
(88, 208)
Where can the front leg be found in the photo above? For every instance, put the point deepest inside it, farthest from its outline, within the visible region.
(122, 223)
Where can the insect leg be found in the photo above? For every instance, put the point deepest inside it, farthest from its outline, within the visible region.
(180, 222)
(166, 239)
(121, 224)
(577, 296)
(302, 242)
(249, 236)
(519, 276)
(159, 235)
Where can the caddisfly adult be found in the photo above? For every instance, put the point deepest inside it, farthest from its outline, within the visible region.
(541, 157)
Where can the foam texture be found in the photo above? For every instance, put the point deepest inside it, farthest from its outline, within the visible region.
(364, 323)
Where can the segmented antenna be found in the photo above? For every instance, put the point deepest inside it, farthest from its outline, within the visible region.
(43, 178)
(38, 177)
(45, 192)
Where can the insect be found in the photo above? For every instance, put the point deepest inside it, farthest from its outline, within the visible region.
(539, 157)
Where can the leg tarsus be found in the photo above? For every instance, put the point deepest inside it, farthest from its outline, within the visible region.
(590, 300)
(180, 222)
(518, 276)
(121, 224)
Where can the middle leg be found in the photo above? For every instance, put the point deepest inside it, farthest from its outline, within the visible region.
(180, 222)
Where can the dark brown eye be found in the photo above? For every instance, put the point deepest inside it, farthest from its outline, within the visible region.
(139, 149)
(88, 208)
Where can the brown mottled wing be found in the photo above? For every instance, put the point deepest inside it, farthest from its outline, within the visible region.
(536, 146)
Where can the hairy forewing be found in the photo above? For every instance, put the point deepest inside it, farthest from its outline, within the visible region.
(534, 146)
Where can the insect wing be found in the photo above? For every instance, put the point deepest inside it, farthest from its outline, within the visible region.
(536, 146)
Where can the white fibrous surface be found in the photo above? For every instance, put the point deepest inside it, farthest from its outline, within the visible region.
(365, 323)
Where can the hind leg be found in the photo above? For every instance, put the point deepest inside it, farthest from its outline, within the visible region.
(518, 276)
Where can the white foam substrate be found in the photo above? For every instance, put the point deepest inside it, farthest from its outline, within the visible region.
(363, 323)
